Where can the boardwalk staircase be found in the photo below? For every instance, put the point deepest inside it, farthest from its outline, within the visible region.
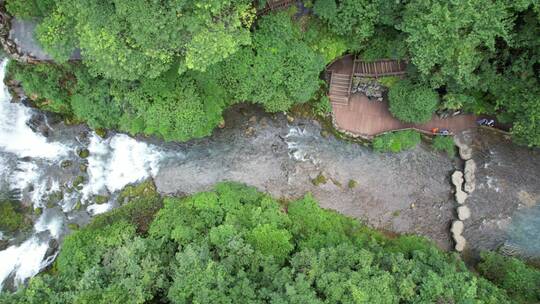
(340, 88)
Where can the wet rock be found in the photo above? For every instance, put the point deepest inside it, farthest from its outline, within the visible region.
(460, 243)
(101, 132)
(463, 212)
(66, 164)
(457, 179)
(101, 199)
(457, 228)
(470, 180)
(249, 132)
(253, 119)
(465, 151)
(77, 183)
(54, 198)
(325, 134)
(222, 124)
(73, 226)
(83, 168)
(290, 119)
(461, 196)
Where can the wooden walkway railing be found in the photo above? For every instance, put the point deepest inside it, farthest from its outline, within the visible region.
(274, 5)
(379, 68)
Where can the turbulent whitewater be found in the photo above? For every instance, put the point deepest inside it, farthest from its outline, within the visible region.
(30, 165)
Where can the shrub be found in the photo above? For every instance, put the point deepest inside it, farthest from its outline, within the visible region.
(396, 141)
(519, 280)
(412, 103)
(446, 144)
(11, 217)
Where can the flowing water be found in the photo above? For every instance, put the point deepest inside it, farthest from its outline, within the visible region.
(408, 192)
(30, 165)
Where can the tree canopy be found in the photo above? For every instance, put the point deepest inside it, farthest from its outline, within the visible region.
(236, 245)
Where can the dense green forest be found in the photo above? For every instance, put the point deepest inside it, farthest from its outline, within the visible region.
(236, 245)
(170, 68)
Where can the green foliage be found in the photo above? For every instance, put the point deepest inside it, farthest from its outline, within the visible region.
(322, 106)
(386, 43)
(12, 217)
(388, 81)
(319, 37)
(353, 19)
(412, 103)
(396, 141)
(134, 39)
(447, 40)
(352, 184)
(519, 280)
(48, 85)
(445, 144)
(236, 245)
(27, 9)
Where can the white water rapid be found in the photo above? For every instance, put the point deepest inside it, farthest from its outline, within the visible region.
(30, 163)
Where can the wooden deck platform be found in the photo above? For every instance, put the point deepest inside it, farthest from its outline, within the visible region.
(370, 118)
(367, 118)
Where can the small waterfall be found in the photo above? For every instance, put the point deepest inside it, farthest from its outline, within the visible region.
(30, 163)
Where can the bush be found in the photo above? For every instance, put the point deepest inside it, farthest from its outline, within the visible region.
(520, 281)
(446, 144)
(26, 9)
(11, 217)
(396, 141)
(412, 103)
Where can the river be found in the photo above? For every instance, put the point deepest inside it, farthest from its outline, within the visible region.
(409, 192)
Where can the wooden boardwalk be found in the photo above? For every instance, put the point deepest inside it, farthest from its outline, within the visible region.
(357, 114)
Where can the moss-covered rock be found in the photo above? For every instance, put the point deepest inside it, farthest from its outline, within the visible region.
(101, 199)
(54, 198)
(78, 181)
(73, 226)
(101, 132)
(38, 211)
(12, 217)
(320, 179)
(83, 168)
(66, 164)
(83, 153)
(352, 184)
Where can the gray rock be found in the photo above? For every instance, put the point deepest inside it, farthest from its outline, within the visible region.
(470, 179)
(460, 243)
(465, 151)
(457, 179)
(461, 196)
(463, 212)
(457, 228)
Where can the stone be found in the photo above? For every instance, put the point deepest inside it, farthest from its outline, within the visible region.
(253, 119)
(66, 164)
(465, 151)
(221, 124)
(249, 132)
(463, 212)
(461, 196)
(290, 119)
(470, 179)
(460, 243)
(457, 179)
(457, 228)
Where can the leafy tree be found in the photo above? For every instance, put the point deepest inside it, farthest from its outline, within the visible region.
(447, 40)
(521, 281)
(128, 40)
(234, 244)
(353, 19)
(12, 217)
(412, 103)
(27, 9)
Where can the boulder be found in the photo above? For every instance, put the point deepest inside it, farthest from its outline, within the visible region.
(457, 228)
(457, 179)
(465, 151)
(470, 179)
(463, 212)
(461, 196)
(460, 243)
